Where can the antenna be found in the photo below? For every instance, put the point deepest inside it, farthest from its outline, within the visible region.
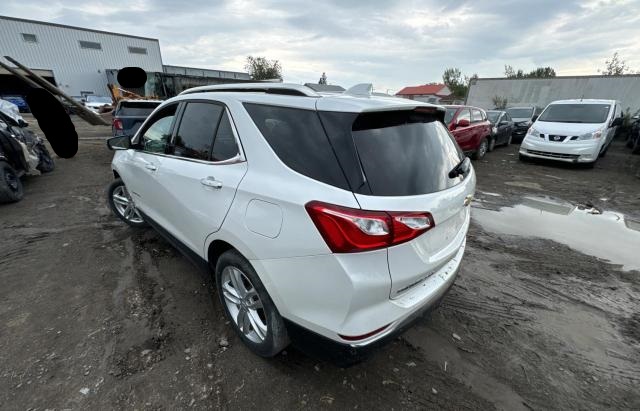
(360, 90)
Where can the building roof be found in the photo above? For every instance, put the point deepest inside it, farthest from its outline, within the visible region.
(46, 23)
(433, 89)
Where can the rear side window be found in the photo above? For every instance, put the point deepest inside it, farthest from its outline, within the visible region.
(405, 153)
(197, 128)
(136, 109)
(298, 139)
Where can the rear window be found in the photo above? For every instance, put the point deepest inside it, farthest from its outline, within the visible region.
(298, 139)
(405, 153)
(137, 109)
(576, 113)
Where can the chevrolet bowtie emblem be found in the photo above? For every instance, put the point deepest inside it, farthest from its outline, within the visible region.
(468, 199)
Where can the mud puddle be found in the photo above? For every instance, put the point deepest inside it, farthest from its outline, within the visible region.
(606, 235)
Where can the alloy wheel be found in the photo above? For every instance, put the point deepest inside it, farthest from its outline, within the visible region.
(244, 304)
(125, 206)
(12, 180)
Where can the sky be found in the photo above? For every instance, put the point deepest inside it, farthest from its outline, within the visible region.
(390, 43)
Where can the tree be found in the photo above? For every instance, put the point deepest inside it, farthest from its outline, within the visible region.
(615, 67)
(260, 68)
(499, 103)
(452, 78)
(540, 72)
(323, 79)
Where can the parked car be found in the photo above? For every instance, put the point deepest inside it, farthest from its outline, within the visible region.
(19, 101)
(633, 138)
(129, 115)
(523, 118)
(501, 128)
(577, 131)
(97, 104)
(470, 128)
(298, 202)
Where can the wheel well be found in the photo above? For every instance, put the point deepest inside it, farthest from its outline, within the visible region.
(216, 248)
(115, 174)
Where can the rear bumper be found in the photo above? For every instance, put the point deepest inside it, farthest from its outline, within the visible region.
(348, 295)
(343, 354)
(568, 151)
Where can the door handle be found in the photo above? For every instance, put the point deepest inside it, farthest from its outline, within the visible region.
(211, 182)
(150, 167)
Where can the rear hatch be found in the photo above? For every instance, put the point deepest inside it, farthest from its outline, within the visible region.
(405, 158)
(133, 113)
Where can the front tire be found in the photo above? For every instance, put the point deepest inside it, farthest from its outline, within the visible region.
(11, 189)
(122, 204)
(492, 143)
(248, 306)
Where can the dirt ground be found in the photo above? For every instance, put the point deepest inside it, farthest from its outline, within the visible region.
(97, 315)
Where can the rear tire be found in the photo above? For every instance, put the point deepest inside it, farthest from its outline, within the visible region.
(481, 150)
(248, 306)
(11, 189)
(46, 164)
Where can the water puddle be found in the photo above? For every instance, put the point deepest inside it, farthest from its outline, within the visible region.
(604, 234)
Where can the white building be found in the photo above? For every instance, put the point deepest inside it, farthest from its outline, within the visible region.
(77, 58)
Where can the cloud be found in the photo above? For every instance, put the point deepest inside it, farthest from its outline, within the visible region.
(390, 43)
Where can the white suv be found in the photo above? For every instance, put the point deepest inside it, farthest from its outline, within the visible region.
(330, 220)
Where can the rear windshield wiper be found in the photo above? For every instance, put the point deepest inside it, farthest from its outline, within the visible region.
(460, 169)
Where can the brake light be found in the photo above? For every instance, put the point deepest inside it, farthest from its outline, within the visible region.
(350, 230)
(117, 123)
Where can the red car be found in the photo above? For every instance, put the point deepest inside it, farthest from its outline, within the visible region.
(471, 129)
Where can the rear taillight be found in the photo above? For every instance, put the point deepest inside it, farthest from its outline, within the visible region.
(117, 123)
(350, 230)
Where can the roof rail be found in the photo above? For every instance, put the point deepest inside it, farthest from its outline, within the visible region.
(269, 88)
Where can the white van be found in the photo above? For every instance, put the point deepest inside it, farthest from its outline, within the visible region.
(576, 131)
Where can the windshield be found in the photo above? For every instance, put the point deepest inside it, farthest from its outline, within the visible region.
(98, 99)
(405, 153)
(493, 116)
(576, 113)
(448, 115)
(520, 112)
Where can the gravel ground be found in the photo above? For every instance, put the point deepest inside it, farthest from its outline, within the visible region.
(97, 315)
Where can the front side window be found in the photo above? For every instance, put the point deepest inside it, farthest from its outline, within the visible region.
(494, 116)
(156, 136)
(194, 138)
(476, 115)
(448, 115)
(464, 114)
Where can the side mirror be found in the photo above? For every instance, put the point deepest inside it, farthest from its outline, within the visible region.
(463, 123)
(119, 143)
(534, 118)
(616, 122)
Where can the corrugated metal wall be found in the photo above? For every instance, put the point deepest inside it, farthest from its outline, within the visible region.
(540, 92)
(76, 70)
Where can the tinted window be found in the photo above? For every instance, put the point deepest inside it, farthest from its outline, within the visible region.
(197, 127)
(576, 113)
(405, 153)
(157, 134)
(506, 117)
(520, 112)
(136, 109)
(298, 139)
(464, 114)
(448, 115)
(224, 146)
(476, 115)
